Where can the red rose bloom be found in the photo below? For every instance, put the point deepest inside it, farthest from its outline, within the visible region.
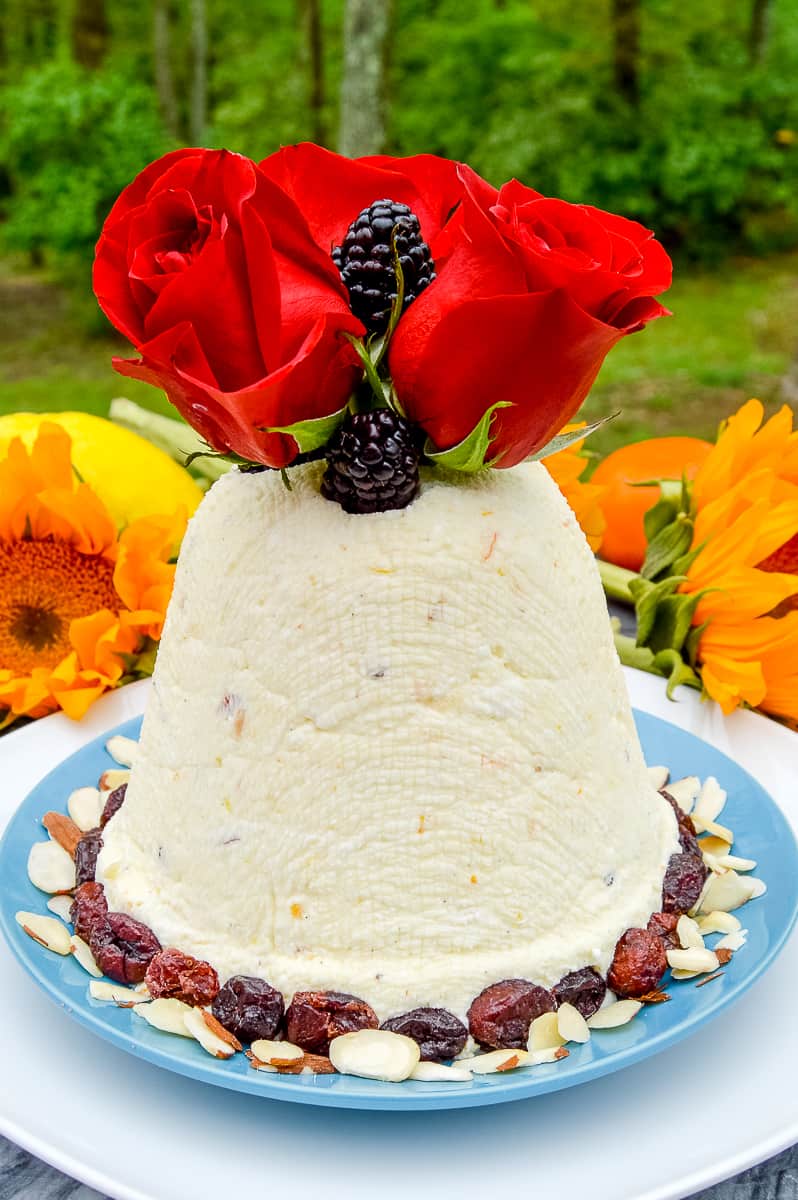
(531, 293)
(210, 270)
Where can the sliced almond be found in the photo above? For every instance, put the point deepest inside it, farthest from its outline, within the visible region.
(495, 1060)
(85, 808)
(61, 906)
(109, 780)
(217, 1028)
(308, 1064)
(125, 997)
(63, 830)
(553, 1054)
(571, 1024)
(692, 959)
(733, 862)
(723, 955)
(714, 846)
(50, 868)
(122, 749)
(544, 1033)
(194, 1021)
(758, 888)
(433, 1072)
(711, 800)
(689, 934)
(47, 931)
(614, 1015)
(276, 1054)
(684, 792)
(82, 954)
(697, 908)
(257, 1065)
(732, 941)
(655, 997)
(712, 827)
(726, 892)
(166, 1014)
(718, 922)
(375, 1054)
(659, 776)
(680, 975)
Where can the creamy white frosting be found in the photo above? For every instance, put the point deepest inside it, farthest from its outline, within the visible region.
(391, 754)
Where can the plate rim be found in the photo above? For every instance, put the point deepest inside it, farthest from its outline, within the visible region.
(318, 1091)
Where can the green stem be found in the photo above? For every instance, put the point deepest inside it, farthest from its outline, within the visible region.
(176, 438)
(616, 581)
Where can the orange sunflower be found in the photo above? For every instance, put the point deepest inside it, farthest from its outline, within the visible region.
(746, 525)
(566, 469)
(78, 602)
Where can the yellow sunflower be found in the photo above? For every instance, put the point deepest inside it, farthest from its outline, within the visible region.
(566, 469)
(77, 601)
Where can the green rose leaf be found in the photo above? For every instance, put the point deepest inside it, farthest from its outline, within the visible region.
(310, 435)
(563, 440)
(468, 455)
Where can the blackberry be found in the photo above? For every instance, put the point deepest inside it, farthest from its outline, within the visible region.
(365, 261)
(372, 463)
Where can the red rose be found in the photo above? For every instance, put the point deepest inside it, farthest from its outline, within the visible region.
(531, 293)
(210, 270)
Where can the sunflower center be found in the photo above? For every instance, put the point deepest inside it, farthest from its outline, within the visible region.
(44, 585)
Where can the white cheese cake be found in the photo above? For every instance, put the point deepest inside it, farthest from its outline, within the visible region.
(390, 754)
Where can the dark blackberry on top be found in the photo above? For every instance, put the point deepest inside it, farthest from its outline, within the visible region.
(365, 260)
(372, 463)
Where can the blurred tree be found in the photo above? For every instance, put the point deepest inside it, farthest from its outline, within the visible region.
(199, 83)
(758, 30)
(90, 33)
(309, 13)
(367, 24)
(162, 66)
(626, 49)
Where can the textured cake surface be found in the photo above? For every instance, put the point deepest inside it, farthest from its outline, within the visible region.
(389, 754)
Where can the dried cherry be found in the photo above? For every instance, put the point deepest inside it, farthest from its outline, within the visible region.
(113, 804)
(89, 909)
(175, 974)
(584, 989)
(500, 1015)
(438, 1032)
(683, 883)
(687, 836)
(313, 1019)
(638, 963)
(123, 947)
(248, 1007)
(86, 853)
(664, 925)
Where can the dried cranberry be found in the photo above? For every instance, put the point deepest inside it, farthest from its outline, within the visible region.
(683, 882)
(89, 908)
(249, 1008)
(178, 975)
(638, 964)
(664, 925)
(123, 947)
(313, 1019)
(438, 1032)
(687, 838)
(584, 989)
(86, 852)
(501, 1014)
(113, 804)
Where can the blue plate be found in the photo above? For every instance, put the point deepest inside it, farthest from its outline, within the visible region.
(762, 833)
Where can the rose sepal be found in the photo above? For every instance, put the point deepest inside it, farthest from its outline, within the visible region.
(468, 455)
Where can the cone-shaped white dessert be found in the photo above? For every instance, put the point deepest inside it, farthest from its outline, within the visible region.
(392, 754)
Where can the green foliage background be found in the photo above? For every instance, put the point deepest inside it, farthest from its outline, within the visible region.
(708, 157)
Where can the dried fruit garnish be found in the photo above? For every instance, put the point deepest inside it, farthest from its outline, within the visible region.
(683, 882)
(687, 837)
(438, 1032)
(179, 976)
(313, 1019)
(248, 1007)
(86, 853)
(113, 804)
(664, 925)
(89, 909)
(584, 989)
(638, 964)
(501, 1014)
(122, 946)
